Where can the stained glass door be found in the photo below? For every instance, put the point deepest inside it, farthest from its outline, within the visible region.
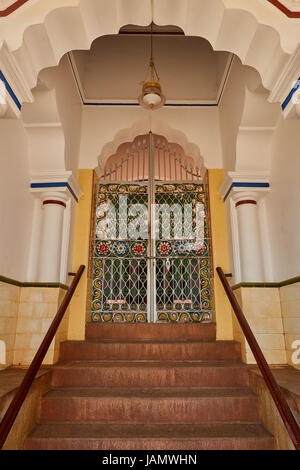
(151, 256)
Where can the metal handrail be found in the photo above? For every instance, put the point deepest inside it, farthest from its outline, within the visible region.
(279, 400)
(16, 403)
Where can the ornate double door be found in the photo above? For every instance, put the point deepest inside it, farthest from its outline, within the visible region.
(151, 251)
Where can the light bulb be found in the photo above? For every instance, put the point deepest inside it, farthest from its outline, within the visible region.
(151, 99)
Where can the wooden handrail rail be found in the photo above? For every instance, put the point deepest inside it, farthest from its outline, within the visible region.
(280, 402)
(16, 403)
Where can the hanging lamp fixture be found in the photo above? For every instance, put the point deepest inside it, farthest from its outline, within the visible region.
(151, 96)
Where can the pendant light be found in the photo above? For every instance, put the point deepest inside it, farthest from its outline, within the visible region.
(151, 96)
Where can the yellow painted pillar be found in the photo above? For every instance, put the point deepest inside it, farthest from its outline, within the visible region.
(220, 254)
(77, 318)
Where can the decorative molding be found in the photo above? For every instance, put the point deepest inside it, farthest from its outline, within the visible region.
(286, 86)
(243, 181)
(61, 180)
(17, 89)
(13, 282)
(288, 282)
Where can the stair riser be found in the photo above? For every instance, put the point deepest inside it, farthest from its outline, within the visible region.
(151, 377)
(150, 444)
(217, 351)
(139, 410)
(151, 331)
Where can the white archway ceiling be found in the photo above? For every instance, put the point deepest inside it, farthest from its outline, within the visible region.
(42, 32)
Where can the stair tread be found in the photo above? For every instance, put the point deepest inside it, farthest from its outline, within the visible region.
(147, 364)
(102, 431)
(149, 340)
(155, 392)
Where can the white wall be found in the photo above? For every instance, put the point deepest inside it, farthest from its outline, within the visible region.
(199, 124)
(16, 202)
(230, 111)
(283, 202)
(70, 109)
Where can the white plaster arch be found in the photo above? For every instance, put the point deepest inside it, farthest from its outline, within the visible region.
(256, 130)
(156, 126)
(75, 26)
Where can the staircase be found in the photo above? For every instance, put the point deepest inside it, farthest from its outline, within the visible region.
(150, 386)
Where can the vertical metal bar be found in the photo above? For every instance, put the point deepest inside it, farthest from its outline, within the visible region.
(151, 230)
(180, 163)
(138, 163)
(127, 167)
(143, 164)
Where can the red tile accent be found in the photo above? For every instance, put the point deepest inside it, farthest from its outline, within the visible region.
(54, 202)
(250, 201)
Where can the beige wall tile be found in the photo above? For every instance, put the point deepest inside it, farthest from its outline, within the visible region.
(290, 339)
(22, 341)
(265, 325)
(8, 325)
(9, 340)
(290, 292)
(271, 356)
(260, 294)
(292, 325)
(29, 325)
(9, 292)
(291, 359)
(45, 310)
(8, 308)
(269, 342)
(39, 294)
(290, 308)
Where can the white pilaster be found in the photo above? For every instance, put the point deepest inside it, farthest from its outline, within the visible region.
(49, 264)
(244, 192)
(249, 237)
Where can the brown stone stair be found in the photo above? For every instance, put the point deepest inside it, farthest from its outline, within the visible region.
(150, 405)
(150, 387)
(208, 436)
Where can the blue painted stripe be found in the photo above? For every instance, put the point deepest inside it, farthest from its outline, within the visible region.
(246, 185)
(291, 94)
(137, 104)
(10, 90)
(55, 185)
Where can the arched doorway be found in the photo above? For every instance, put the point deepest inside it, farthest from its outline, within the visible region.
(151, 247)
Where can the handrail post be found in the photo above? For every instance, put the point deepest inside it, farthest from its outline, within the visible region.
(280, 402)
(16, 403)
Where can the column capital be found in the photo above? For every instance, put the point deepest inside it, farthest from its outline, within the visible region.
(57, 183)
(245, 185)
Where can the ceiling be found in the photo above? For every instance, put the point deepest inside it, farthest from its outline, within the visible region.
(113, 69)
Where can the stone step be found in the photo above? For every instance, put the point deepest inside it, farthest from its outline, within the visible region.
(163, 331)
(150, 374)
(155, 405)
(105, 436)
(149, 350)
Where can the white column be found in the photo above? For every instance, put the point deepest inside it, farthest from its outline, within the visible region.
(54, 205)
(249, 237)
